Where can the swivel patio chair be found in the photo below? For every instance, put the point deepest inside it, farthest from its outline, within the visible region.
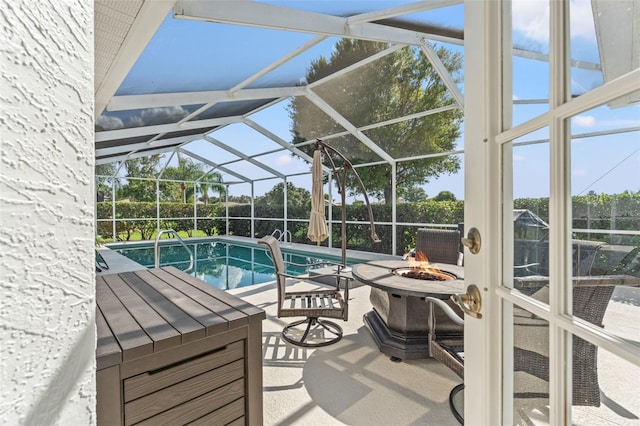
(313, 304)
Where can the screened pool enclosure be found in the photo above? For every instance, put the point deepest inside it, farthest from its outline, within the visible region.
(517, 118)
(206, 121)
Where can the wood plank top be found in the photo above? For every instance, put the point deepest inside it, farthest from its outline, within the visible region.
(161, 333)
(131, 338)
(143, 312)
(108, 352)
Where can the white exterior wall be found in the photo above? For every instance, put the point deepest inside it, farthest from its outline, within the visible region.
(47, 275)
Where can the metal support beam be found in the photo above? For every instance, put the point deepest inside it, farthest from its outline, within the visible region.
(134, 132)
(419, 6)
(148, 19)
(306, 46)
(338, 118)
(289, 19)
(243, 156)
(214, 166)
(253, 210)
(157, 100)
(444, 74)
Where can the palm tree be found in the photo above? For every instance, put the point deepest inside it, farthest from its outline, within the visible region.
(214, 184)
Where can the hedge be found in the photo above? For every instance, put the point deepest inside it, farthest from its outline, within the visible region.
(619, 212)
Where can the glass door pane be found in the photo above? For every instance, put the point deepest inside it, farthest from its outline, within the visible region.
(605, 249)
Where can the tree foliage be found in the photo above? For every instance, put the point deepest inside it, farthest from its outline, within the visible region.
(176, 182)
(445, 196)
(415, 194)
(139, 189)
(103, 181)
(398, 84)
(240, 199)
(296, 197)
(181, 187)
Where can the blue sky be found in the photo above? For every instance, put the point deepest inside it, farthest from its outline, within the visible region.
(182, 57)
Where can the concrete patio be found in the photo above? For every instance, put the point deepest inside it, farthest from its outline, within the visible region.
(349, 382)
(352, 383)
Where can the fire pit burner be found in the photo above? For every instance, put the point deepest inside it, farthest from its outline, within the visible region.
(424, 274)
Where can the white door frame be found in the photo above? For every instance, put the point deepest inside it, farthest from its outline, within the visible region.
(487, 122)
(483, 197)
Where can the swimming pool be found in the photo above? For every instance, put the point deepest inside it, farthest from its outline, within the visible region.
(223, 264)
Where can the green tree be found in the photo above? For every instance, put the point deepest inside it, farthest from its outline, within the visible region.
(414, 194)
(186, 171)
(398, 84)
(138, 189)
(296, 197)
(240, 199)
(445, 196)
(212, 184)
(103, 181)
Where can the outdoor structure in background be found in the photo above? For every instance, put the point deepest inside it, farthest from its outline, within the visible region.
(222, 138)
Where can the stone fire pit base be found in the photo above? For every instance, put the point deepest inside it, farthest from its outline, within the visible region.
(398, 324)
(399, 320)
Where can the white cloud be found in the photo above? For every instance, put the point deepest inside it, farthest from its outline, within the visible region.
(531, 18)
(283, 160)
(582, 20)
(584, 120)
(162, 115)
(519, 158)
(110, 122)
(579, 172)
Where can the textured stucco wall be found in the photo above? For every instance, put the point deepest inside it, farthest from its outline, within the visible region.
(46, 213)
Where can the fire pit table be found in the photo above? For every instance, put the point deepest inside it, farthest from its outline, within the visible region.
(400, 314)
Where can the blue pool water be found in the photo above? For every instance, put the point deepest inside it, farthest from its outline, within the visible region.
(222, 264)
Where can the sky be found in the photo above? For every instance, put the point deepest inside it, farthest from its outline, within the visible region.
(602, 163)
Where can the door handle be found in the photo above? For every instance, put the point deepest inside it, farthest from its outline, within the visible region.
(473, 241)
(470, 302)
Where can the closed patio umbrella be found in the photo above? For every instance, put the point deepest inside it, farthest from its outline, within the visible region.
(318, 230)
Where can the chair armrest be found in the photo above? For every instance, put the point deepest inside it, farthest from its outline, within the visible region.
(337, 276)
(447, 310)
(299, 277)
(306, 265)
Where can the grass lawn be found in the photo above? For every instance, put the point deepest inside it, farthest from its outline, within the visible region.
(136, 236)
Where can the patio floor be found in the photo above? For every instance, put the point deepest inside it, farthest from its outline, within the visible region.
(352, 383)
(349, 382)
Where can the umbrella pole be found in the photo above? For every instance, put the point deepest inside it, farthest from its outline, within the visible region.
(342, 188)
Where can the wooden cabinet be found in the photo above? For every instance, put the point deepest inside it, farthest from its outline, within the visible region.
(174, 350)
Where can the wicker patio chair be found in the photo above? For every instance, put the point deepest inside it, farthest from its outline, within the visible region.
(591, 296)
(531, 257)
(446, 342)
(313, 304)
(439, 245)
